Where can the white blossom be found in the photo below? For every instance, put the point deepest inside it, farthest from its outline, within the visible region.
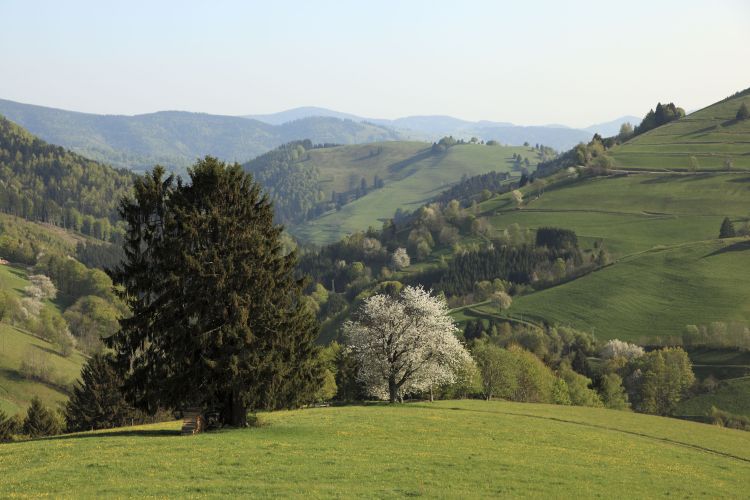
(405, 344)
(620, 349)
(400, 259)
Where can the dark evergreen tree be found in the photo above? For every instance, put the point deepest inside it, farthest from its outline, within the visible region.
(727, 229)
(97, 402)
(217, 317)
(743, 113)
(7, 427)
(40, 421)
(348, 387)
(524, 180)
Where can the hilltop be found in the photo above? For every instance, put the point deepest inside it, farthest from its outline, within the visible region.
(448, 448)
(708, 139)
(668, 268)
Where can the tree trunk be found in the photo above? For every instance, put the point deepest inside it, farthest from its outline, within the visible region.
(392, 389)
(432, 397)
(235, 412)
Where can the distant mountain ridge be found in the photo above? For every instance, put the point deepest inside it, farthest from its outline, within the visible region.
(176, 139)
(433, 127)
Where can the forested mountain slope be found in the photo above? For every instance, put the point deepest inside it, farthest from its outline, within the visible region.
(47, 183)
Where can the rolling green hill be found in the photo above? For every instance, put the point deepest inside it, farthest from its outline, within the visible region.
(652, 294)
(412, 176)
(660, 229)
(712, 135)
(446, 449)
(18, 346)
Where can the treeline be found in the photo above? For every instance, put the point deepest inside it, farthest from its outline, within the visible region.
(661, 115)
(458, 253)
(47, 183)
(476, 188)
(593, 157)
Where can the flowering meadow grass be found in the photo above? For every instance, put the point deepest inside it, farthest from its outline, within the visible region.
(448, 448)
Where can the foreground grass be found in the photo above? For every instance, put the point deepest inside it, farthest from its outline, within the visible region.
(450, 448)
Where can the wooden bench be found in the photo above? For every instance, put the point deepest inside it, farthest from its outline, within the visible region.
(193, 422)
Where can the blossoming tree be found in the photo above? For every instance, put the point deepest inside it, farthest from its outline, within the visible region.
(405, 344)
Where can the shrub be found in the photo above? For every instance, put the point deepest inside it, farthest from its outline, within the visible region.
(726, 419)
(400, 259)
(619, 349)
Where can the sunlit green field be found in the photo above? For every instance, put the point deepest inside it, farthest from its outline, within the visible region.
(654, 294)
(451, 448)
(660, 230)
(408, 185)
(711, 135)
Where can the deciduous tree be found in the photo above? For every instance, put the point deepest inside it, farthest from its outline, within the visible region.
(405, 344)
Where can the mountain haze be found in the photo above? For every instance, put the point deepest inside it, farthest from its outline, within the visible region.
(176, 138)
(433, 127)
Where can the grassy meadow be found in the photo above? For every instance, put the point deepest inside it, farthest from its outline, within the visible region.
(656, 293)
(668, 268)
(711, 135)
(410, 182)
(448, 448)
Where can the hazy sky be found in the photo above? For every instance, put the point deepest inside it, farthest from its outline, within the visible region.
(529, 62)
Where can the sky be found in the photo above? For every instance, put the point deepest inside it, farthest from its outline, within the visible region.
(530, 62)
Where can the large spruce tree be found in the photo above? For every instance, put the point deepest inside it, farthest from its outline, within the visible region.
(217, 318)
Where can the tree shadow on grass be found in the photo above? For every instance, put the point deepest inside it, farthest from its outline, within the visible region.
(119, 433)
(740, 246)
